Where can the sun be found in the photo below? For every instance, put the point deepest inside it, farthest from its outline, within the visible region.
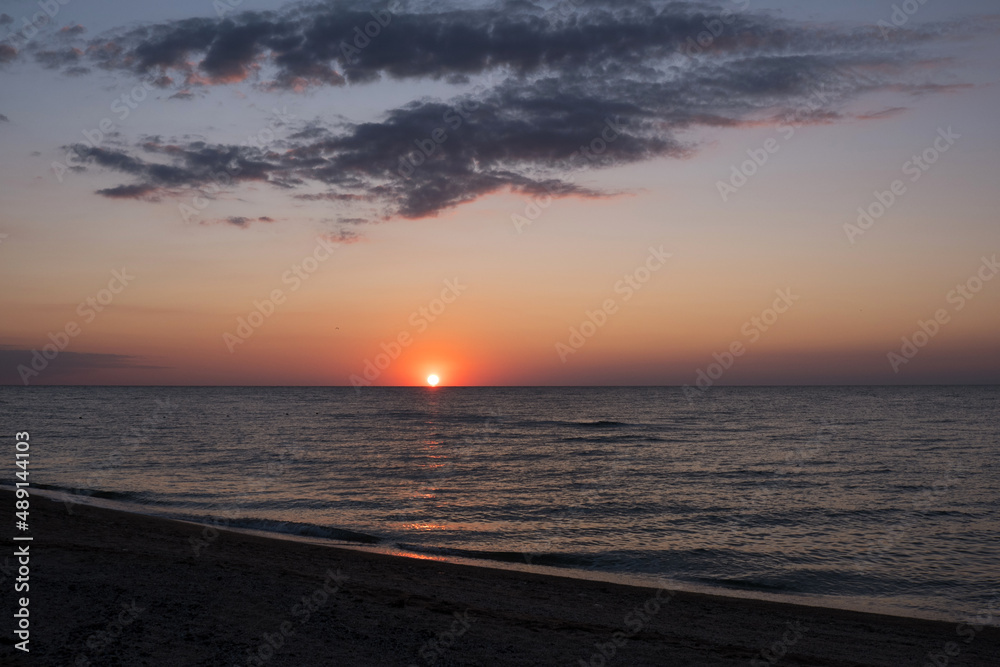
(433, 380)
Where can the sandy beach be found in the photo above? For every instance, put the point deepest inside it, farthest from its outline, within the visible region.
(114, 588)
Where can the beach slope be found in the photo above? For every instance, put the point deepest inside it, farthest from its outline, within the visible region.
(113, 588)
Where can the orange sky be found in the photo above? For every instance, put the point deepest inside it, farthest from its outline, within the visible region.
(522, 290)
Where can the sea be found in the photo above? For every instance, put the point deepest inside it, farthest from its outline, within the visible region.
(872, 498)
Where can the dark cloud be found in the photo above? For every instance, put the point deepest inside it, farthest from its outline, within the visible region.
(333, 196)
(340, 42)
(6, 19)
(240, 221)
(7, 53)
(63, 367)
(4, 119)
(72, 30)
(64, 58)
(344, 236)
(598, 86)
(138, 191)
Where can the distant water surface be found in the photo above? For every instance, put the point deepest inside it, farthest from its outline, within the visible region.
(885, 496)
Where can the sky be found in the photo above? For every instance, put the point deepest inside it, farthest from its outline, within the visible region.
(499, 193)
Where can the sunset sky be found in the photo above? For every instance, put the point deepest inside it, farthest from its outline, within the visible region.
(180, 169)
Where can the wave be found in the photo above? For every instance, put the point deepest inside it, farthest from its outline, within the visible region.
(626, 439)
(299, 529)
(551, 559)
(600, 423)
(745, 584)
(131, 496)
(140, 499)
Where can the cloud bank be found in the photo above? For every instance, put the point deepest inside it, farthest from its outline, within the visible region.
(18, 364)
(590, 85)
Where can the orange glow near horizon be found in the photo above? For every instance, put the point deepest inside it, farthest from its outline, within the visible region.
(433, 380)
(522, 295)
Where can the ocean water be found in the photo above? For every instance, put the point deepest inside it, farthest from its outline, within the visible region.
(884, 497)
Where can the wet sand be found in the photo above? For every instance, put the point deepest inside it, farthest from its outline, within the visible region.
(114, 588)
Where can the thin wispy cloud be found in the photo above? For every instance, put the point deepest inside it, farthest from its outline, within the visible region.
(239, 221)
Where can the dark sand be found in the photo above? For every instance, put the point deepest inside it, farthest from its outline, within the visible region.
(212, 609)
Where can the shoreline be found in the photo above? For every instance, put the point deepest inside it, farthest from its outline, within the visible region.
(398, 550)
(111, 587)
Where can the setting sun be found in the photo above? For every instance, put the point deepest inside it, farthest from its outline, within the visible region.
(433, 380)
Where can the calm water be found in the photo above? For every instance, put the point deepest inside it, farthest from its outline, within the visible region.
(887, 495)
